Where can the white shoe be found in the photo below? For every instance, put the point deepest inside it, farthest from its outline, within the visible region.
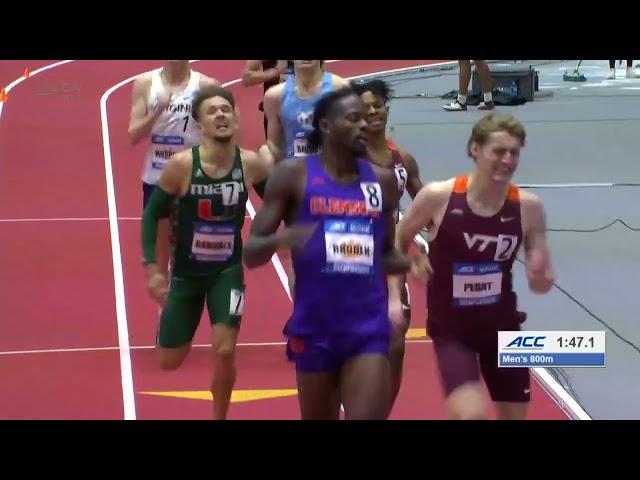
(612, 74)
(455, 106)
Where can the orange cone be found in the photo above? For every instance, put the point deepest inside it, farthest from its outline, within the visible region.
(26, 73)
(3, 95)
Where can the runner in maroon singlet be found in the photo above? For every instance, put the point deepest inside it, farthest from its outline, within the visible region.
(477, 223)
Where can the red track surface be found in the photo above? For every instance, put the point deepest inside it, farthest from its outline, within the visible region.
(57, 282)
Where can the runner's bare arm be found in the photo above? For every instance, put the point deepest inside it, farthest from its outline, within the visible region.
(254, 74)
(171, 184)
(538, 259)
(419, 215)
(339, 82)
(264, 240)
(141, 120)
(422, 213)
(271, 102)
(208, 81)
(414, 183)
(174, 180)
(258, 166)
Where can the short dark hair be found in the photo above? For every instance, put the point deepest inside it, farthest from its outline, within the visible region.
(378, 87)
(207, 92)
(325, 109)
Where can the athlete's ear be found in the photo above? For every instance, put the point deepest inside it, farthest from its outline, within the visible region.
(324, 125)
(474, 150)
(196, 118)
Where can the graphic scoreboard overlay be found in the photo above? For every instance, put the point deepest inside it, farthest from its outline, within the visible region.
(558, 349)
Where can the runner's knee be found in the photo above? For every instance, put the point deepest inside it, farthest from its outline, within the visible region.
(467, 402)
(172, 358)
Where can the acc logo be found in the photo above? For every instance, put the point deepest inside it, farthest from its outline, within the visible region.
(527, 342)
(305, 118)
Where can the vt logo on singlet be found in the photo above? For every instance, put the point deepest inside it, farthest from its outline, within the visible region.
(505, 244)
(480, 283)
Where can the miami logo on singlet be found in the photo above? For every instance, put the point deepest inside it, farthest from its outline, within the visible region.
(229, 193)
(214, 242)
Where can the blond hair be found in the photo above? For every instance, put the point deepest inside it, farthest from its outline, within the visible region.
(492, 123)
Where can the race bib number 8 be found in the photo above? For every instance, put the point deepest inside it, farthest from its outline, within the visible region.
(212, 243)
(476, 284)
(349, 245)
(372, 196)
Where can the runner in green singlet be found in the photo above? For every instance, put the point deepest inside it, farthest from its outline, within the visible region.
(205, 189)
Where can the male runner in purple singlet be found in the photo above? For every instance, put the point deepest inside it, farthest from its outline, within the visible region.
(339, 212)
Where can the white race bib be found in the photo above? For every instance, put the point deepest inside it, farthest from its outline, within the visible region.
(401, 176)
(505, 246)
(158, 163)
(212, 243)
(476, 284)
(349, 246)
(300, 147)
(236, 302)
(372, 196)
(230, 193)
